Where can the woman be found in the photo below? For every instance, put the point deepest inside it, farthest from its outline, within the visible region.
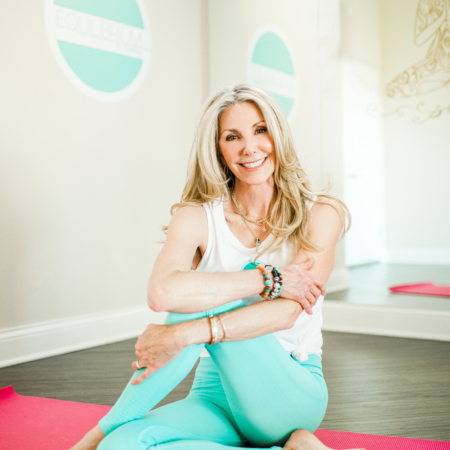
(259, 382)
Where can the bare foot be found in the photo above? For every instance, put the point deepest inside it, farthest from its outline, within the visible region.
(90, 440)
(304, 440)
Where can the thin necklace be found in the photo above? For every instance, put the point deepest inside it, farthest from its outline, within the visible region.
(247, 219)
(257, 239)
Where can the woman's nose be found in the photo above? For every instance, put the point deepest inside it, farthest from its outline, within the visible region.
(250, 146)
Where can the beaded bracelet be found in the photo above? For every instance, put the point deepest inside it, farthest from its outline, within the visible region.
(267, 282)
(277, 282)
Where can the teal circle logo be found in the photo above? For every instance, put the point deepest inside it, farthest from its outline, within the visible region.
(102, 46)
(271, 65)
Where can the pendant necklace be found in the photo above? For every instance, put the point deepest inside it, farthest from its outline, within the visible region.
(257, 239)
(246, 219)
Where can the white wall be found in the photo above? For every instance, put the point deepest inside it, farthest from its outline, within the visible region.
(85, 186)
(417, 149)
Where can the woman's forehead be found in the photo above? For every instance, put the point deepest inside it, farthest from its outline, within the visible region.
(245, 113)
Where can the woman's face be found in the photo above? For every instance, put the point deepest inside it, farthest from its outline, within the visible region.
(245, 143)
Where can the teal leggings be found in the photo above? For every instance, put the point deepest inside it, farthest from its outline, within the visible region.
(248, 394)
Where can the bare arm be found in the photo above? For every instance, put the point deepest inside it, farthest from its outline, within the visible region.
(173, 287)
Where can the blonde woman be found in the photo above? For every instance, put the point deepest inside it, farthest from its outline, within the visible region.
(247, 204)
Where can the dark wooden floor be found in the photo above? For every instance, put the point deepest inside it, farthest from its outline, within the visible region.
(377, 385)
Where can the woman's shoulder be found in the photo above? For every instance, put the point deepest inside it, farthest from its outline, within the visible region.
(190, 213)
(197, 212)
(188, 224)
(327, 213)
(321, 203)
(191, 217)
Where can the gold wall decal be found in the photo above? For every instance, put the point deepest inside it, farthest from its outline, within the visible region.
(432, 72)
(420, 113)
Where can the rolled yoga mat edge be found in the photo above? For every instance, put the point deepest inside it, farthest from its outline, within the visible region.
(424, 288)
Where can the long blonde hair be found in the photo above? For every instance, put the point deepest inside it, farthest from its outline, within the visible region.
(209, 178)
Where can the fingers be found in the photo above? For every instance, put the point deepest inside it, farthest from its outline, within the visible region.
(307, 306)
(308, 297)
(312, 301)
(141, 354)
(319, 285)
(315, 293)
(305, 303)
(137, 365)
(295, 275)
(313, 287)
(142, 376)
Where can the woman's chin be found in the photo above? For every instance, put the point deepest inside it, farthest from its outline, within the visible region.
(255, 181)
(255, 178)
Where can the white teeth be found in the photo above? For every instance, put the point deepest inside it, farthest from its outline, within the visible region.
(255, 164)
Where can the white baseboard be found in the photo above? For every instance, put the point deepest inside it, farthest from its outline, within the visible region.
(338, 281)
(386, 321)
(41, 340)
(28, 343)
(418, 255)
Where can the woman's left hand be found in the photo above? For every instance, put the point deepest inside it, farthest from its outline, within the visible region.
(157, 346)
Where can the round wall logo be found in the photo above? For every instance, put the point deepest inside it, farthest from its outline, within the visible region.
(103, 47)
(271, 66)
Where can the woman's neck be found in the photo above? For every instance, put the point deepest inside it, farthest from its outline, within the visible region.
(255, 201)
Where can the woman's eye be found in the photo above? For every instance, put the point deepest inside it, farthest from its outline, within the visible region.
(263, 129)
(230, 137)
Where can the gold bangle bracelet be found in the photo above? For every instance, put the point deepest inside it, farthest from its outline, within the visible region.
(223, 328)
(213, 324)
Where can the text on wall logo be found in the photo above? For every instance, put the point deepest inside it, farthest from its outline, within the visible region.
(271, 65)
(102, 46)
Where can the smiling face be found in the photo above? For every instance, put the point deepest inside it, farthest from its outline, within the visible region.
(245, 143)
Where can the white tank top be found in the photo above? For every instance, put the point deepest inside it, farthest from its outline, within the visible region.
(225, 253)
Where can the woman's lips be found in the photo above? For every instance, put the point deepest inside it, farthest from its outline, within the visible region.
(254, 169)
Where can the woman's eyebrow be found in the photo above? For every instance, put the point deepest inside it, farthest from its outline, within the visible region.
(236, 131)
(257, 123)
(229, 129)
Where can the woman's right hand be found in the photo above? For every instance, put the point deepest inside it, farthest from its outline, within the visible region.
(300, 285)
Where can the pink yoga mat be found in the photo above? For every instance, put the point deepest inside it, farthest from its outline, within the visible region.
(32, 423)
(427, 288)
